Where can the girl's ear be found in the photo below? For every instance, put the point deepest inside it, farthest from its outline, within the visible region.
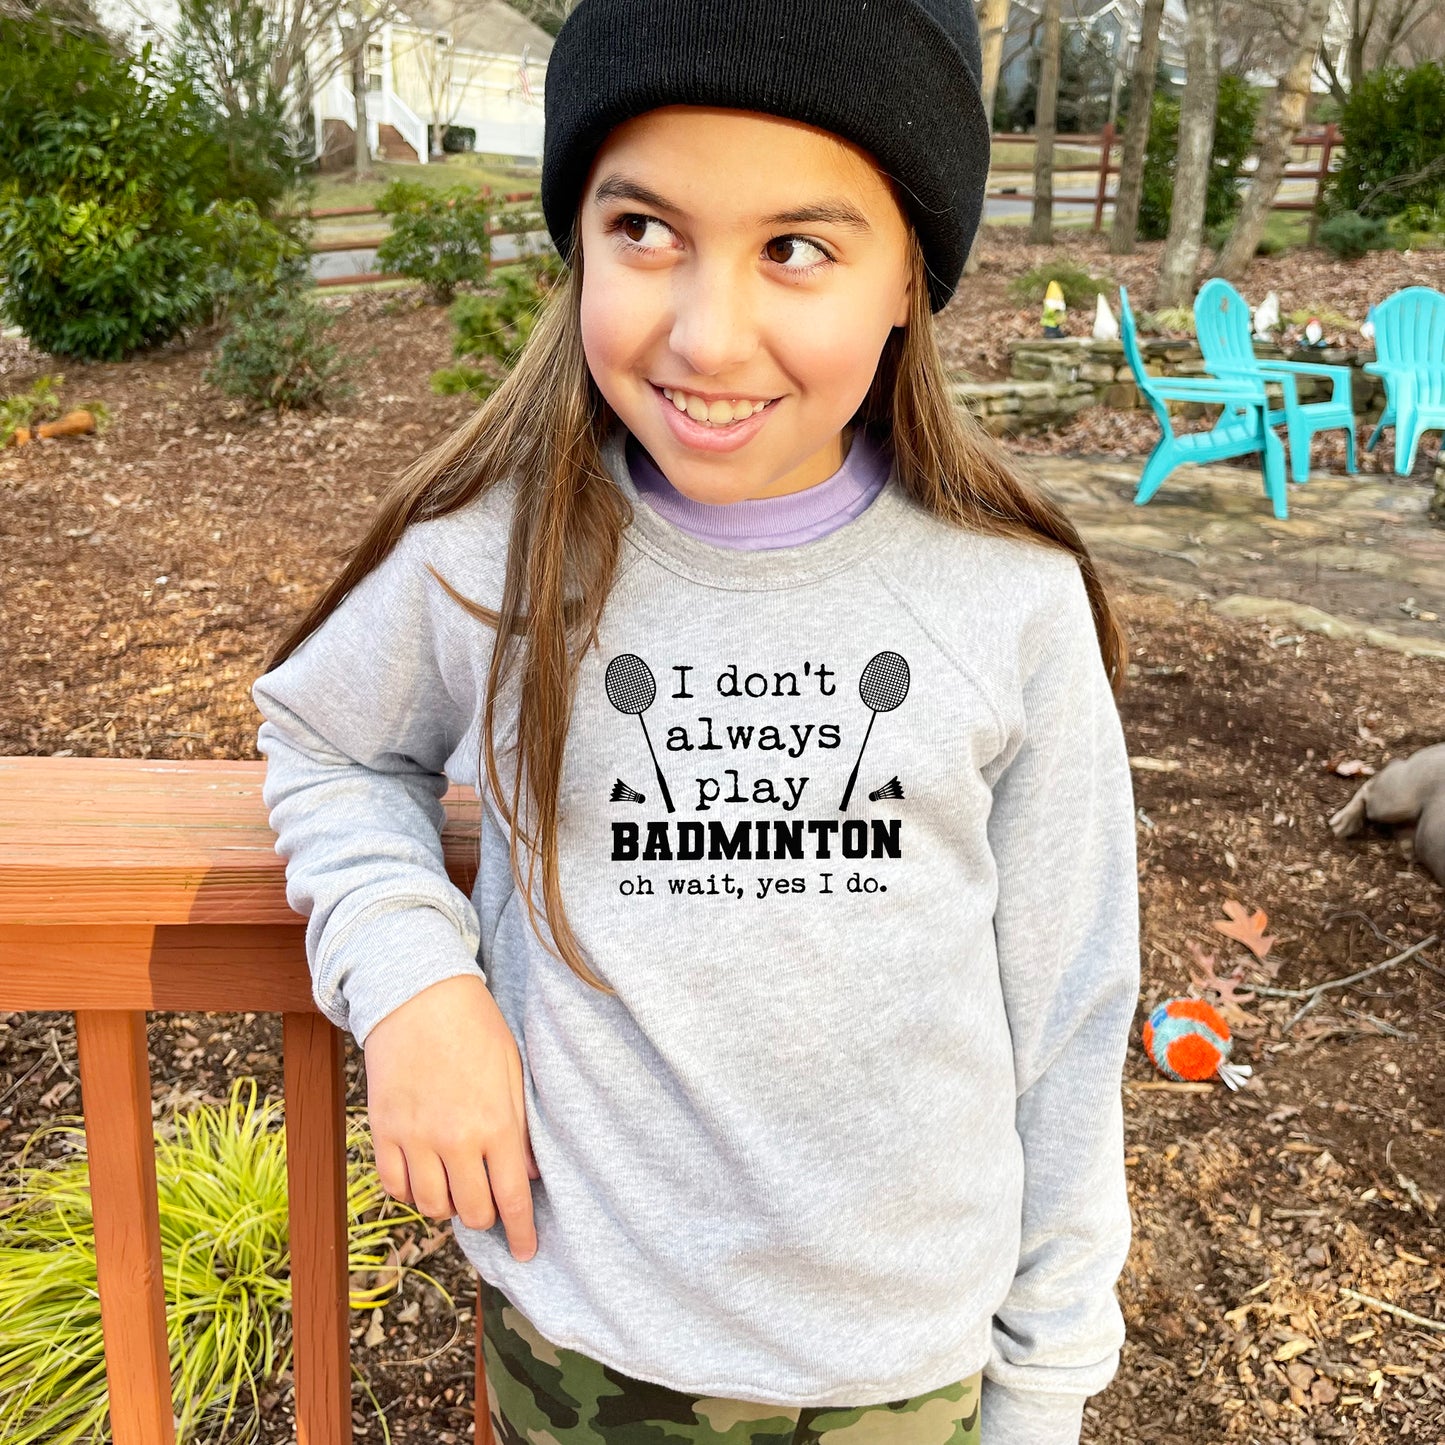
(905, 305)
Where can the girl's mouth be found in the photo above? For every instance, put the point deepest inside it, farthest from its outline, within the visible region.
(693, 424)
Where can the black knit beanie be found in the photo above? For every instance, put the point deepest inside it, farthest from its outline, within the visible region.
(898, 77)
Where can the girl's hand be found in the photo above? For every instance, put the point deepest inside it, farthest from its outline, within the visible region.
(444, 1094)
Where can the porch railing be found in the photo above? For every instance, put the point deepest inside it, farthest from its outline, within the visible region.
(129, 885)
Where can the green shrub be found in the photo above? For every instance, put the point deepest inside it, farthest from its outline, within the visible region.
(225, 1262)
(107, 169)
(1078, 284)
(251, 257)
(494, 327)
(440, 238)
(1233, 140)
(1393, 126)
(101, 181)
(275, 355)
(1349, 235)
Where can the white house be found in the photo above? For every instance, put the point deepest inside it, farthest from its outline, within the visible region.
(474, 64)
(478, 65)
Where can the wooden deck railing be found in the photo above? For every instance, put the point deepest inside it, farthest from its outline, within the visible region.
(129, 885)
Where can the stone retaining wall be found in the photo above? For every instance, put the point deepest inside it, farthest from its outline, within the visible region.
(1051, 380)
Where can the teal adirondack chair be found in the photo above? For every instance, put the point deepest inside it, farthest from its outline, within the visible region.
(1410, 355)
(1243, 426)
(1222, 323)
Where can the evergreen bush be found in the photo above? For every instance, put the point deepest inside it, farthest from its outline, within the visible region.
(1393, 125)
(275, 355)
(440, 238)
(1233, 141)
(1349, 235)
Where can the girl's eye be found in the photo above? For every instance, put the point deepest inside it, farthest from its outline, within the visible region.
(633, 231)
(782, 249)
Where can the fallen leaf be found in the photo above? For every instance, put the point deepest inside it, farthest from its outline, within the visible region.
(1246, 928)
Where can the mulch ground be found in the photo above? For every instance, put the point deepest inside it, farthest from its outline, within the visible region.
(149, 569)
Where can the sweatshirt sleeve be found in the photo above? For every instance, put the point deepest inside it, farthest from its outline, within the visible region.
(1067, 929)
(358, 725)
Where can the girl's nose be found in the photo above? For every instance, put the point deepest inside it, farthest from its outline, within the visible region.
(713, 329)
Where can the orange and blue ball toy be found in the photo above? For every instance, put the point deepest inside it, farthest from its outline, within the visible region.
(1188, 1039)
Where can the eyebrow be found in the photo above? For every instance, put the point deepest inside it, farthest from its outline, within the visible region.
(829, 212)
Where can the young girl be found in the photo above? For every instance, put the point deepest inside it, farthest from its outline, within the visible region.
(770, 1075)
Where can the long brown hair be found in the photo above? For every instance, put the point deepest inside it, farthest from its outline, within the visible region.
(544, 426)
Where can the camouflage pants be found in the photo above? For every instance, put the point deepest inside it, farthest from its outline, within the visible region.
(542, 1394)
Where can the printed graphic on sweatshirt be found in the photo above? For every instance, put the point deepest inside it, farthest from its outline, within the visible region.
(668, 765)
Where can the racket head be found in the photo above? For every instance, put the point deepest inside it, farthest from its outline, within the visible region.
(631, 686)
(884, 682)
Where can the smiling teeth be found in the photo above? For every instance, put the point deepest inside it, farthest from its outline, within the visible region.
(714, 413)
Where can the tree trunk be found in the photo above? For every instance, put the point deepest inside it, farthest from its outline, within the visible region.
(992, 23)
(1046, 109)
(1285, 116)
(1195, 160)
(362, 152)
(1136, 133)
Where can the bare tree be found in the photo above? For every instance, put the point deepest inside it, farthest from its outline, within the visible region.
(1136, 132)
(1046, 107)
(992, 23)
(1284, 117)
(293, 40)
(436, 57)
(1195, 158)
(1380, 31)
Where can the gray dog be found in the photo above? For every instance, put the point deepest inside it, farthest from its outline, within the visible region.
(1405, 791)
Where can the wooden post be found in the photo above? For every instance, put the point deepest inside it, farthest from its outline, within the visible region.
(482, 1430)
(1106, 145)
(316, 1180)
(1327, 146)
(115, 1089)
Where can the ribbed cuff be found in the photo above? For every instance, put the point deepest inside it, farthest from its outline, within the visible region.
(1029, 1417)
(388, 959)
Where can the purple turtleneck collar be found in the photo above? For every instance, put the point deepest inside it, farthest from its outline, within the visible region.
(766, 522)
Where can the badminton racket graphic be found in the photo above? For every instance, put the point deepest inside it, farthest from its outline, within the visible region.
(883, 685)
(631, 688)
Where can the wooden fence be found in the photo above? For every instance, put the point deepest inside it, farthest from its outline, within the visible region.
(129, 885)
(370, 243)
(1326, 140)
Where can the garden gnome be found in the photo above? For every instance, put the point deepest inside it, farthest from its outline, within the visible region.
(1054, 309)
(1106, 328)
(1266, 318)
(1314, 332)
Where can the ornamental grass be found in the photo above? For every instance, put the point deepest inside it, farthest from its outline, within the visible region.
(221, 1184)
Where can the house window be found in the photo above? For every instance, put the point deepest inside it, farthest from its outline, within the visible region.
(373, 65)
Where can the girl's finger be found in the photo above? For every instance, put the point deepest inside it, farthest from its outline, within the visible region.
(391, 1170)
(430, 1194)
(471, 1190)
(512, 1193)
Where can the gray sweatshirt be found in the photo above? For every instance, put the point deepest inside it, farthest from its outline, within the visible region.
(849, 827)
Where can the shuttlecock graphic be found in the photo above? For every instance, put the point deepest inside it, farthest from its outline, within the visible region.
(621, 793)
(891, 789)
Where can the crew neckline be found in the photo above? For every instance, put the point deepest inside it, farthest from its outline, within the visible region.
(765, 569)
(782, 520)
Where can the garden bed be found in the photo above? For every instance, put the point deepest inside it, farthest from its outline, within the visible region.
(150, 568)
